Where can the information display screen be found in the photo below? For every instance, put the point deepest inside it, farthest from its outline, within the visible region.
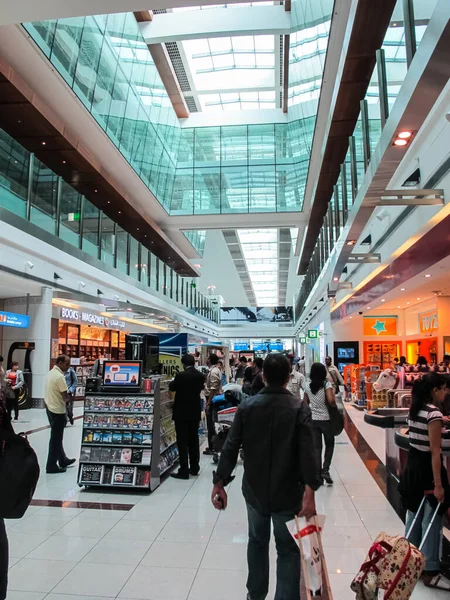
(122, 373)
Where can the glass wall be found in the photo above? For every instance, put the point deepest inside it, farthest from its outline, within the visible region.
(210, 170)
(32, 191)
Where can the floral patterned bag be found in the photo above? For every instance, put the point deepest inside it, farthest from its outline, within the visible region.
(392, 567)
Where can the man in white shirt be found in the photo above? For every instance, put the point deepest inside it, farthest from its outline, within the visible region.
(213, 388)
(333, 376)
(296, 380)
(56, 397)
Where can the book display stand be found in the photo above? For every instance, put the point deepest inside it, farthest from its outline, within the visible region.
(128, 438)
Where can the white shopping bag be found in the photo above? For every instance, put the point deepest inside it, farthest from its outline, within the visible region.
(306, 533)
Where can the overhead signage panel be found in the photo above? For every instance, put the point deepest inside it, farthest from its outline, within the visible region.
(8, 319)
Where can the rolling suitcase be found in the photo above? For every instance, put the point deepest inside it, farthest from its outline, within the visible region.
(392, 567)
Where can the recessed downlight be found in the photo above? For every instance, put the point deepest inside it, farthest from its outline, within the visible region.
(404, 135)
(383, 300)
(402, 289)
(399, 142)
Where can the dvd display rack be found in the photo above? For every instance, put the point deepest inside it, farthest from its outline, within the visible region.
(128, 439)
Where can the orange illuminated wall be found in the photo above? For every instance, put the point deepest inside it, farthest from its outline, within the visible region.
(380, 326)
(426, 347)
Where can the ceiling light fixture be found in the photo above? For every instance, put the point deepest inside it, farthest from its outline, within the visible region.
(351, 243)
(383, 300)
(402, 289)
(404, 135)
(418, 298)
(335, 278)
(399, 142)
(428, 275)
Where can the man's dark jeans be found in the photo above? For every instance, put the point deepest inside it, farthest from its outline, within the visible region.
(188, 446)
(210, 425)
(56, 452)
(288, 562)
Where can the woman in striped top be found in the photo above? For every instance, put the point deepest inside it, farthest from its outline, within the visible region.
(425, 473)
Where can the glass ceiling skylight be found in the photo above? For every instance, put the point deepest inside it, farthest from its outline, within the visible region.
(260, 250)
(233, 73)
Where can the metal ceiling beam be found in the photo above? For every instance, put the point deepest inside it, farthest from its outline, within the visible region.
(164, 66)
(363, 258)
(370, 23)
(407, 198)
(428, 75)
(200, 24)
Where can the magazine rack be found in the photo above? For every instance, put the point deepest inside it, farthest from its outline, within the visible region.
(128, 440)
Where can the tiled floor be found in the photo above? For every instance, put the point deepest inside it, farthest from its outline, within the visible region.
(172, 545)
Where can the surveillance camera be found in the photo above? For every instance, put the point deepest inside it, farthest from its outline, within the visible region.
(360, 312)
(29, 264)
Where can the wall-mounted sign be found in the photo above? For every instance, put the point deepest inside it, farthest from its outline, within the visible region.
(8, 319)
(313, 334)
(428, 321)
(88, 318)
(302, 340)
(380, 326)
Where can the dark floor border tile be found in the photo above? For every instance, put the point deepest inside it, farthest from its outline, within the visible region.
(44, 427)
(387, 483)
(80, 504)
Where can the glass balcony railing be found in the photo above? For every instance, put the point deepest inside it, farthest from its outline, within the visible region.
(33, 192)
(393, 59)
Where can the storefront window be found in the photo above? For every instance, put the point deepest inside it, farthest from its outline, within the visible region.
(122, 250)
(134, 258)
(153, 267)
(108, 240)
(90, 228)
(70, 214)
(44, 188)
(14, 164)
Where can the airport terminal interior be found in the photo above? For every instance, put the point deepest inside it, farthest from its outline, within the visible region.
(238, 180)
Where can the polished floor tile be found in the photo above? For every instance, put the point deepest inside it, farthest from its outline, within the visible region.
(173, 554)
(159, 583)
(172, 544)
(115, 552)
(64, 548)
(95, 579)
(222, 585)
(30, 575)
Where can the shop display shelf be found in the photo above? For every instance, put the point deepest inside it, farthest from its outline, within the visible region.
(96, 411)
(147, 446)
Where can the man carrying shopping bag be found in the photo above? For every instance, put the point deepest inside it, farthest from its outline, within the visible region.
(280, 476)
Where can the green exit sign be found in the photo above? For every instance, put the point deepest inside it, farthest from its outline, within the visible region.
(302, 340)
(313, 334)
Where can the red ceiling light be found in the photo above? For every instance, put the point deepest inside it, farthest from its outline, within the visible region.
(404, 135)
(400, 142)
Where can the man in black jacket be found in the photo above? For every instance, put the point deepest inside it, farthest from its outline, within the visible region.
(187, 414)
(280, 476)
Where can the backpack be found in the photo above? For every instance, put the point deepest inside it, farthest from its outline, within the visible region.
(19, 474)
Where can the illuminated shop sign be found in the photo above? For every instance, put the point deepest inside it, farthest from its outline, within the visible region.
(84, 317)
(428, 321)
(8, 319)
(313, 334)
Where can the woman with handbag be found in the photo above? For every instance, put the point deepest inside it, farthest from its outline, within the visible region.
(425, 474)
(14, 382)
(319, 394)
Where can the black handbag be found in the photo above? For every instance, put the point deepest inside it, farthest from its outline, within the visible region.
(19, 474)
(9, 393)
(336, 419)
